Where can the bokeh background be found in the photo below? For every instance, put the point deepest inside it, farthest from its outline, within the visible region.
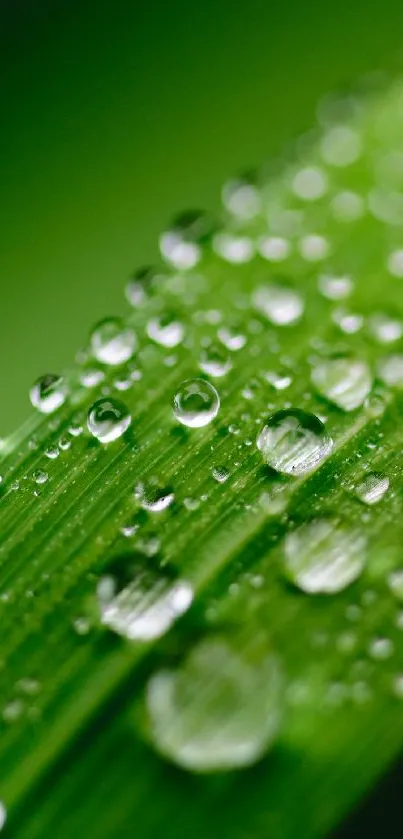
(118, 113)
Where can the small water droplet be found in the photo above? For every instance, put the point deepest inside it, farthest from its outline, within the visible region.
(153, 497)
(108, 419)
(182, 244)
(13, 711)
(294, 442)
(48, 393)
(310, 183)
(341, 146)
(40, 477)
(215, 361)
(313, 247)
(346, 382)
(166, 330)
(347, 206)
(390, 370)
(196, 403)
(112, 342)
(241, 197)
(231, 338)
(334, 287)
(385, 329)
(380, 649)
(279, 304)
(277, 380)
(140, 603)
(324, 556)
(234, 248)
(220, 474)
(52, 452)
(91, 377)
(372, 488)
(219, 710)
(82, 625)
(274, 248)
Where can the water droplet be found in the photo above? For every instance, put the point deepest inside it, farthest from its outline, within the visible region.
(347, 207)
(346, 382)
(313, 247)
(395, 264)
(395, 583)
(218, 710)
(294, 442)
(234, 248)
(335, 288)
(231, 338)
(385, 329)
(341, 146)
(215, 361)
(278, 380)
(348, 322)
(112, 342)
(29, 686)
(108, 419)
(310, 183)
(220, 474)
(140, 603)
(398, 686)
(181, 245)
(3, 815)
(241, 197)
(196, 403)
(380, 649)
(166, 330)
(82, 625)
(390, 370)
(153, 497)
(91, 377)
(40, 477)
(279, 304)
(52, 452)
(274, 248)
(13, 711)
(324, 556)
(48, 393)
(372, 488)
(139, 285)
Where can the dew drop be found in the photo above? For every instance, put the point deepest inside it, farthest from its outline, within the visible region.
(182, 244)
(233, 248)
(310, 184)
(166, 330)
(274, 248)
(341, 146)
(395, 583)
(372, 488)
(390, 370)
(313, 247)
(40, 477)
(153, 497)
(346, 382)
(397, 688)
(231, 338)
(108, 419)
(347, 207)
(335, 288)
(138, 602)
(386, 329)
(215, 361)
(395, 264)
(324, 556)
(294, 442)
(112, 342)
(220, 474)
(219, 710)
(241, 197)
(279, 304)
(48, 393)
(380, 649)
(3, 815)
(278, 380)
(196, 403)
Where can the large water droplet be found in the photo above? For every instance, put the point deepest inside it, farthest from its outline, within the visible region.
(112, 342)
(153, 497)
(165, 330)
(372, 488)
(219, 710)
(344, 381)
(279, 304)
(139, 602)
(215, 361)
(108, 419)
(294, 442)
(48, 393)
(324, 556)
(196, 403)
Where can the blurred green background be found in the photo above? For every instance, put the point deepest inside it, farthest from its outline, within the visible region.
(117, 114)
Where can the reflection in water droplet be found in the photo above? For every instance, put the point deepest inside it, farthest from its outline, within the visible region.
(219, 710)
(279, 304)
(294, 442)
(215, 361)
(196, 403)
(112, 342)
(324, 556)
(108, 419)
(140, 603)
(372, 488)
(153, 497)
(165, 330)
(344, 381)
(48, 393)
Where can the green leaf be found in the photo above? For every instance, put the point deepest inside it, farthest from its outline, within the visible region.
(273, 700)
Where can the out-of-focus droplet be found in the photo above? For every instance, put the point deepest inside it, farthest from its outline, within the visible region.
(242, 198)
(395, 583)
(372, 488)
(380, 649)
(108, 419)
(278, 380)
(219, 710)
(48, 393)
(91, 377)
(3, 815)
(346, 382)
(341, 146)
(324, 556)
(232, 338)
(215, 361)
(138, 602)
(279, 304)
(347, 207)
(112, 342)
(294, 442)
(395, 264)
(335, 287)
(181, 245)
(233, 247)
(310, 183)
(390, 370)
(314, 248)
(274, 248)
(139, 285)
(166, 330)
(196, 403)
(386, 329)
